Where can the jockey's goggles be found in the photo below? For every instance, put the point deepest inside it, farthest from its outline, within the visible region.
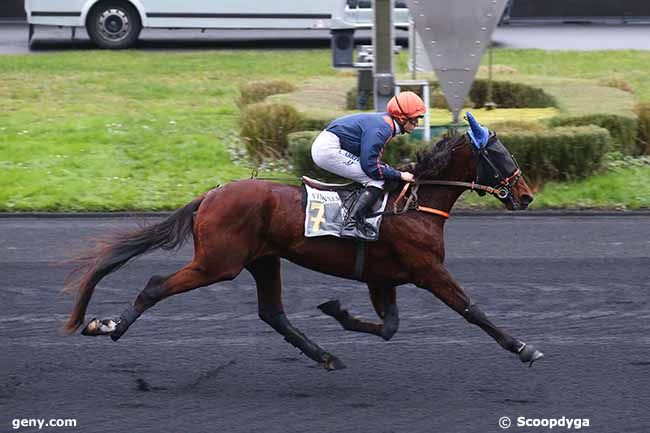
(414, 120)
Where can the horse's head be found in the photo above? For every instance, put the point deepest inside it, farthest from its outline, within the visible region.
(477, 156)
(496, 167)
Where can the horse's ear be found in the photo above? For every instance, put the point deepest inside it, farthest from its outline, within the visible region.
(477, 132)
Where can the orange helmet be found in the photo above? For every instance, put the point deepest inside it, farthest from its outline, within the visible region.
(406, 105)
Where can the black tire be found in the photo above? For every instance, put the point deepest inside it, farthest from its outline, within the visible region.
(113, 24)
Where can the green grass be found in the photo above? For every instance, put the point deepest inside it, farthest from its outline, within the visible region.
(126, 130)
(627, 65)
(624, 188)
(620, 188)
(148, 131)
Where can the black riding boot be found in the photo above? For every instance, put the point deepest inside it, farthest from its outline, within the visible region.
(355, 222)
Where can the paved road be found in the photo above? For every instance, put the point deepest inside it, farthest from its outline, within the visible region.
(581, 37)
(577, 287)
(13, 38)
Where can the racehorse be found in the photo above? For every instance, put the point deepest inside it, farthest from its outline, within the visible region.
(251, 224)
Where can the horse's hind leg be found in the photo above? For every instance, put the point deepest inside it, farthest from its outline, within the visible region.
(266, 271)
(190, 277)
(440, 282)
(383, 300)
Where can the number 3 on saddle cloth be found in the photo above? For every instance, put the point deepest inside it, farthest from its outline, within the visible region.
(327, 205)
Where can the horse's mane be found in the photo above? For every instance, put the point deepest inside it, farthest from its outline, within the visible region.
(430, 163)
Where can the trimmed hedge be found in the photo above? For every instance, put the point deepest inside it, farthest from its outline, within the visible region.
(300, 157)
(518, 125)
(437, 100)
(264, 128)
(507, 94)
(352, 100)
(315, 124)
(257, 91)
(564, 153)
(623, 129)
(643, 138)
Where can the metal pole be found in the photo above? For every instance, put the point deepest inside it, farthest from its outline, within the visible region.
(489, 104)
(427, 122)
(489, 87)
(383, 53)
(338, 11)
(412, 47)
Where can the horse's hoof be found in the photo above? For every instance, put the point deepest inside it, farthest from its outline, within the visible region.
(332, 363)
(528, 353)
(99, 327)
(331, 308)
(120, 329)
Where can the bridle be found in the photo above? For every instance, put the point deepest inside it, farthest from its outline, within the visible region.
(492, 174)
(495, 183)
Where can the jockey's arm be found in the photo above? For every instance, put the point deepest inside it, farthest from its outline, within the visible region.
(372, 144)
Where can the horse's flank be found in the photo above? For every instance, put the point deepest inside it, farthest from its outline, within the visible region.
(270, 215)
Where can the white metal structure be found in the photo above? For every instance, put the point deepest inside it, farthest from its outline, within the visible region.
(453, 35)
(117, 23)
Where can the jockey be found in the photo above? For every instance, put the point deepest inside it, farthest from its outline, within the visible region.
(351, 147)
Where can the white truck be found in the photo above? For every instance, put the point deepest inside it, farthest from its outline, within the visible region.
(117, 24)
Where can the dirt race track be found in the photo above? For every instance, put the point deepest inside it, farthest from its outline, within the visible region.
(576, 287)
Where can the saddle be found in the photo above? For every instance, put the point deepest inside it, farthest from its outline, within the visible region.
(327, 205)
(324, 186)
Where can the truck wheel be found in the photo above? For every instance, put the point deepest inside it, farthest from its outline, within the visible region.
(113, 24)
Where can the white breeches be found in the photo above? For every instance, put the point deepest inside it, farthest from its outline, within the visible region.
(328, 155)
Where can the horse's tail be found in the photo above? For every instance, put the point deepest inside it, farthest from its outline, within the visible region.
(109, 255)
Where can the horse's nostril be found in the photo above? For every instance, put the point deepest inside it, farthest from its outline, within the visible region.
(526, 200)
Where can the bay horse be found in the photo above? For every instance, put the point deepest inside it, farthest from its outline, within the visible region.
(251, 224)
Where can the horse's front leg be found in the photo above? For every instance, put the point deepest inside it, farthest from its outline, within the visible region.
(266, 271)
(440, 282)
(383, 300)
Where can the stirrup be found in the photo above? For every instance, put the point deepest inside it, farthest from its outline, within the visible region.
(366, 229)
(358, 229)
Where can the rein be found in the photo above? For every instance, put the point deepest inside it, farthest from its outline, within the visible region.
(412, 200)
(473, 186)
(412, 203)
